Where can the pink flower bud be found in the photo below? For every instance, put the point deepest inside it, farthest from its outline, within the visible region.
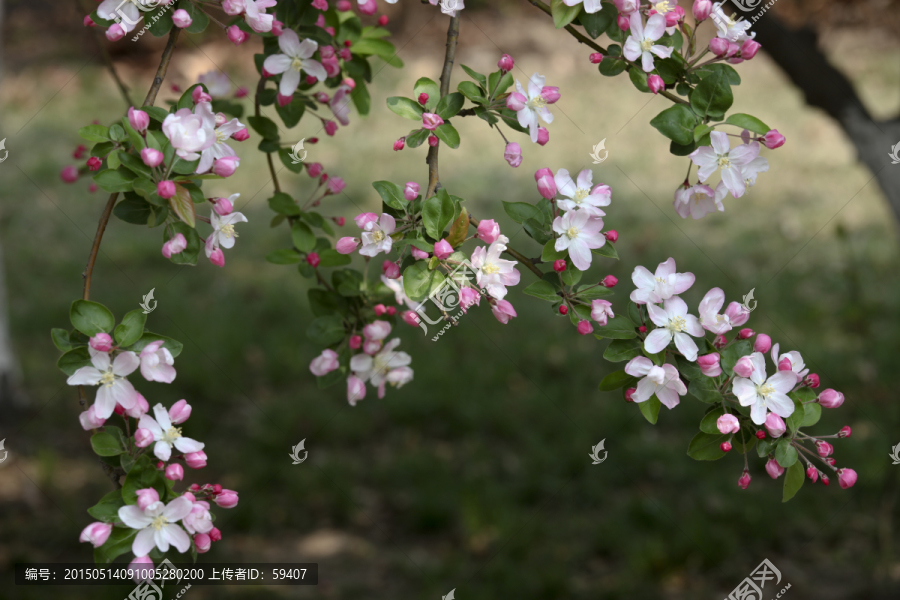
(392, 310)
(431, 121)
(725, 446)
(146, 497)
(94, 163)
(410, 318)
(559, 265)
(138, 119)
(718, 46)
(656, 83)
(423, 98)
(824, 448)
(550, 94)
(226, 166)
(226, 499)
(102, 342)
(181, 18)
(277, 27)
(609, 281)
(151, 157)
(382, 20)
(215, 535)
(176, 245)
(115, 33)
(241, 135)
(356, 342)
(844, 432)
(674, 16)
(443, 249)
(488, 231)
(96, 533)
(623, 23)
(411, 190)
(773, 139)
(612, 236)
(313, 259)
(516, 101)
(744, 480)
(709, 364)
(180, 412)
(418, 254)
(702, 9)
(775, 425)
(223, 206)
(233, 7)
(774, 469)
(785, 364)
(513, 154)
(379, 309)
(596, 58)
(719, 341)
(745, 334)
(217, 257)
(143, 438)
(347, 245)
(743, 367)
(506, 63)
(237, 36)
(585, 327)
(175, 472)
(543, 136)
(503, 311)
(195, 460)
(432, 140)
(546, 186)
(368, 7)
(363, 219)
(601, 311)
(69, 174)
(749, 49)
(400, 144)
(760, 434)
(563, 310)
(629, 393)
(165, 189)
(762, 344)
(390, 269)
(468, 297)
(356, 390)
(812, 380)
(79, 152)
(728, 423)
(88, 21)
(812, 473)
(202, 542)
(846, 478)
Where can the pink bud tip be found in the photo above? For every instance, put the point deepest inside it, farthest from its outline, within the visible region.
(277, 28)
(411, 190)
(745, 333)
(642, 329)
(241, 135)
(356, 342)
(543, 136)
(830, 398)
(762, 344)
(175, 472)
(610, 281)
(88, 21)
(202, 542)
(151, 157)
(313, 259)
(720, 341)
(115, 33)
(181, 18)
(559, 265)
(845, 431)
(165, 189)
(102, 342)
(725, 446)
(69, 174)
(423, 98)
(390, 269)
(432, 140)
(773, 139)
(400, 144)
(382, 20)
(513, 154)
(506, 63)
(655, 83)
(629, 393)
(761, 434)
(215, 535)
(612, 235)
(226, 166)
(596, 58)
(223, 206)
(846, 478)
(718, 46)
(392, 310)
(563, 309)
(237, 36)
(744, 480)
(623, 23)
(585, 327)
(217, 257)
(812, 380)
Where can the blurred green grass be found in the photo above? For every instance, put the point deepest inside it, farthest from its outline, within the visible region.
(475, 476)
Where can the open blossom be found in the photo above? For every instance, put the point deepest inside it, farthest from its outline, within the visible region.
(673, 323)
(340, 104)
(579, 195)
(798, 367)
(730, 160)
(156, 363)
(710, 318)
(579, 233)
(697, 201)
(601, 311)
(166, 435)
(376, 235)
(127, 13)
(157, 525)
(387, 366)
(448, 8)
(199, 520)
(256, 17)
(763, 394)
(590, 6)
(356, 390)
(110, 376)
(219, 149)
(728, 423)
(223, 231)
(535, 105)
(662, 381)
(176, 245)
(656, 287)
(325, 363)
(640, 43)
(217, 83)
(296, 57)
(191, 132)
(732, 28)
(493, 273)
(396, 286)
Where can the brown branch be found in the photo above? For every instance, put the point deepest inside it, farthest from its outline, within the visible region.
(514, 253)
(164, 61)
(95, 248)
(259, 89)
(449, 57)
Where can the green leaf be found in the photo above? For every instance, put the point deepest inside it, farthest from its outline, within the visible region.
(105, 443)
(650, 408)
(447, 133)
(143, 475)
(60, 339)
(592, 292)
(437, 213)
(416, 138)
(549, 252)
(481, 79)
(91, 318)
(521, 211)
(608, 250)
(419, 281)
(347, 282)
(639, 79)
(119, 542)
(73, 360)
(381, 48)
(427, 86)
(812, 414)
(118, 180)
(731, 76)
(156, 113)
(292, 112)
(332, 258)
(701, 130)
(131, 328)
(688, 369)
(265, 127)
(107, 509)
(765, 447)
(303, 237)
(704, 389)
(285, 256)
(391, 194)
(116, 133)
(472, 92)
(326, 331)
(712, 97)
(617, 328)
(94, 133)
(362, 100)
(571, 277)
(747, 122)
(616, 380)
(705, 446)
(543, 290)
(562, 14)
(459, 229)
(284, 205)
(793, 481)
(612, 66)
(676, 123)
(406, 108)
(785, 453)
(449, 105)
(732, 353)
(794, 421)
(708, 423)
(622, 350)
(173, 346)
(324, 303)
(598, 22)
(199, 20)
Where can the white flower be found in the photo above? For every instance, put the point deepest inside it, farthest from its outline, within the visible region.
(728, 27)
(125, 11)
(590, 6)
(448, 7)
(579, 194)
(798, 367)
(380, 369)
(340, 104)
(731, 160)
(157, 525)
(223, 233)
(710, 318)
(111, 379)
(396, 286)
(156, 363)
(579, 233)
(217, 83)
(219, 149)
(753, 168)
(673, 322)
(535, 106)
(698, 200)
(376, 236)
(191, 132)
(256, 17)
(765, 394)
(662, 381)
(640, 43)
(653, 288)
(167, 435)
(296, 58)
(493, 273)
(199, 520)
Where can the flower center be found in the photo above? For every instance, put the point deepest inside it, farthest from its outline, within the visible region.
(646, 45)
(765, 390)
(676, 325)
(171, 434)
(537, 102)
(228, 230)
(108, 378)
(572, 232)
(581, 194)
(662, 7)
(377, 235)
(159, 522)
(724, 162)
(380, 363)
(220, 137)
(490, 269)
(297, 64)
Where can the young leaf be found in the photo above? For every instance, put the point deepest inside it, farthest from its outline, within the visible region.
(562, 14)
(391, 194)
(183, 205)
(543, 290)
(91, 318)
(793, 481)
(406, 108)
(650, 409)
(616, 380)
(437, 213)
(705, 446)
(622, 350)
(676, 123)
(131, 328)
(447, 133)
(105, 443)
(748, 122)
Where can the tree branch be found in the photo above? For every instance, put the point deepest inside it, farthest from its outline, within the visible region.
(259, 89)
(164, 61)
(449, 57)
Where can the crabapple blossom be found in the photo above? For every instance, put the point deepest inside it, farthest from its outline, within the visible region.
(640, 43)
(506, 63)
(166, 189)
(493, 273)
(795, 361)
(702, 9)
(176, 245)
(448, 8)
(431, 121)
(96, 533)
(443, 249)
(296, 57)
(764, 394)
(743, 367)
(534, 106)
(543, 136)
(140, 120)
(731, 28)
(488, 231)
(195, 460)
(513, 154)
(773, 139)
(110, 376)
(377, 330)
(579, 233)
(166, 435)
(199, 520)
(709, 364)
(744, 480)
(697, 201)
(653, 288)
(390, 269)
(728, 423)
(101, 342)
(590, 6)
(774, 469)
(824, 448)
(775, 425)
(730, 160)
(830, 398)
(217, 83)
(559, 265)
(503, 311)
(223, 233)
(225, 166)
(89, 419)
(219, 149)
(387, 366)
(673, 323)
(376, 236)
(546, 183)
(202, 543)
(181, 18)
(656, 83)
(180, 412)
(609, 281)
(579, 195)
(411, 190)
(175, 472)
(156, 525)
(191, 132)
(256, 17)
(585, 327)
(469, 297)
(662, 381)
(152, 158)
(846, 478)
(325, 363)
(156, 363)
(601, 311)
(710, 318)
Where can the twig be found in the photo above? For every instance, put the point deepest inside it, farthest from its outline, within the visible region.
(449, 56)
(515, 254)
(259, 89)
(164, 61)
(95, 248)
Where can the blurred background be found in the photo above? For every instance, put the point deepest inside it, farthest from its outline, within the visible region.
(475, 476)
